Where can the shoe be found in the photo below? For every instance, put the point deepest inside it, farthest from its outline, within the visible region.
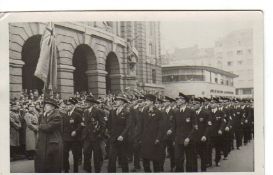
(218, 164)
(225, 158)
(238, 148)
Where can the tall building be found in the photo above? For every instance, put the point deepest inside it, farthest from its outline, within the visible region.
(234, 53)
(100, 57)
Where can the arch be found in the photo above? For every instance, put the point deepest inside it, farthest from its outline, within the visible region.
(113, 76)
(30, 55)
(83, 60)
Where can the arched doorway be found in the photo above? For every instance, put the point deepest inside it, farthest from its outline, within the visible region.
(83, 59)
(113, 73)
(30, 56)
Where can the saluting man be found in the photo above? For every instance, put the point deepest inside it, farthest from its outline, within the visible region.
(92, 135)
(151, 135)
(71, 134)
(118, 124)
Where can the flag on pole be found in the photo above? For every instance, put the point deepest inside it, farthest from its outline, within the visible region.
(46, 69)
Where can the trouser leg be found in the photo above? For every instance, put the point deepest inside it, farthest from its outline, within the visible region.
(75, 152)
(179, 157)
(87, 152)
(112, 158)
(146, 165)
(66, 149)
(191, 157)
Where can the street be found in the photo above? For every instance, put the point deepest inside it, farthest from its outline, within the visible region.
(238, 161)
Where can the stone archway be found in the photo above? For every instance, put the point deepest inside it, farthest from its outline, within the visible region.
(84, 60)
(113, 76)
(30, 55)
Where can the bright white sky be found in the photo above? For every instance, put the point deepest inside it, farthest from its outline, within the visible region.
(203, 28)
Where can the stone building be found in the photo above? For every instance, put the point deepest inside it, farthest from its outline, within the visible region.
(100, 57)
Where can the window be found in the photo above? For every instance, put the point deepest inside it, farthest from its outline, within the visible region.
(229, 63)
(216, 80)
(154, 76)
(249, 51)
(240, 62)
(150, 48)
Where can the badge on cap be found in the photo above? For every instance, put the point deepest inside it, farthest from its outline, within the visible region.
(209, 123)
(188, 120)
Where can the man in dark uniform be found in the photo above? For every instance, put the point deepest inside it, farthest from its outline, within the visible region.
(94, 126)
(166, 124)
(135, 133)
(184, 126)
(71, 134)
(218, 125)
(118, 124)
(204, 123)
(151, 135)
(238, 124)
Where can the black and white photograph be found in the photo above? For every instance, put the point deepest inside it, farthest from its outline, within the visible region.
(127, 92)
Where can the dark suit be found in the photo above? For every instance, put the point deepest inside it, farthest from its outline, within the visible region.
(184, 126)
(92, 134)
(204, 124)
(238, 126)
(71, 122)
(167, 140)
(150, 151)
(218, 124)
(118, 125)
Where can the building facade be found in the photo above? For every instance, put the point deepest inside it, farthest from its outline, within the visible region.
(199, 81)
(234, 53)
(100, 57)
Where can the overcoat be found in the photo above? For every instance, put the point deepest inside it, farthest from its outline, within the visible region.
(31, 119)
(15, 125)
(49, 150)
(150, 133)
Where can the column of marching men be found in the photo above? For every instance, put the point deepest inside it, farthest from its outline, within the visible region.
(133, 126)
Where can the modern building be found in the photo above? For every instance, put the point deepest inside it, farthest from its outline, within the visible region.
(100, 57)
(199, 81)
(234, 53)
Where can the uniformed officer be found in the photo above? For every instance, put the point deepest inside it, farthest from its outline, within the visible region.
(71, 134)
(166, 124)
(238, 124)
(118, 125)
(203, 118)
(218, 125)
(94, 127)
(151, 135)
(184, 126)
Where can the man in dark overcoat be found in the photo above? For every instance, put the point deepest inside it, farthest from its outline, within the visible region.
(71, 134)
(49, 150)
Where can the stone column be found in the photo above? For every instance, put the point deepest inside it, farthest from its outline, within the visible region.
(16, 85)
(65, 80)
(117, 82)
(97, 82)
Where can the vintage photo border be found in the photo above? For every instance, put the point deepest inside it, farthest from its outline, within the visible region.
(7, 18)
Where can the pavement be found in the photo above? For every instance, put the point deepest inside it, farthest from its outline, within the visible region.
(238, 161)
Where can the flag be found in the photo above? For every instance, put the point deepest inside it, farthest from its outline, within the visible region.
(46, 69)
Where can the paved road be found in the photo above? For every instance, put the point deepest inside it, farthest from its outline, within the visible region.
(238, 161)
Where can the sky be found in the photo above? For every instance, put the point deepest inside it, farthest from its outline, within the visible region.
(203, 28)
